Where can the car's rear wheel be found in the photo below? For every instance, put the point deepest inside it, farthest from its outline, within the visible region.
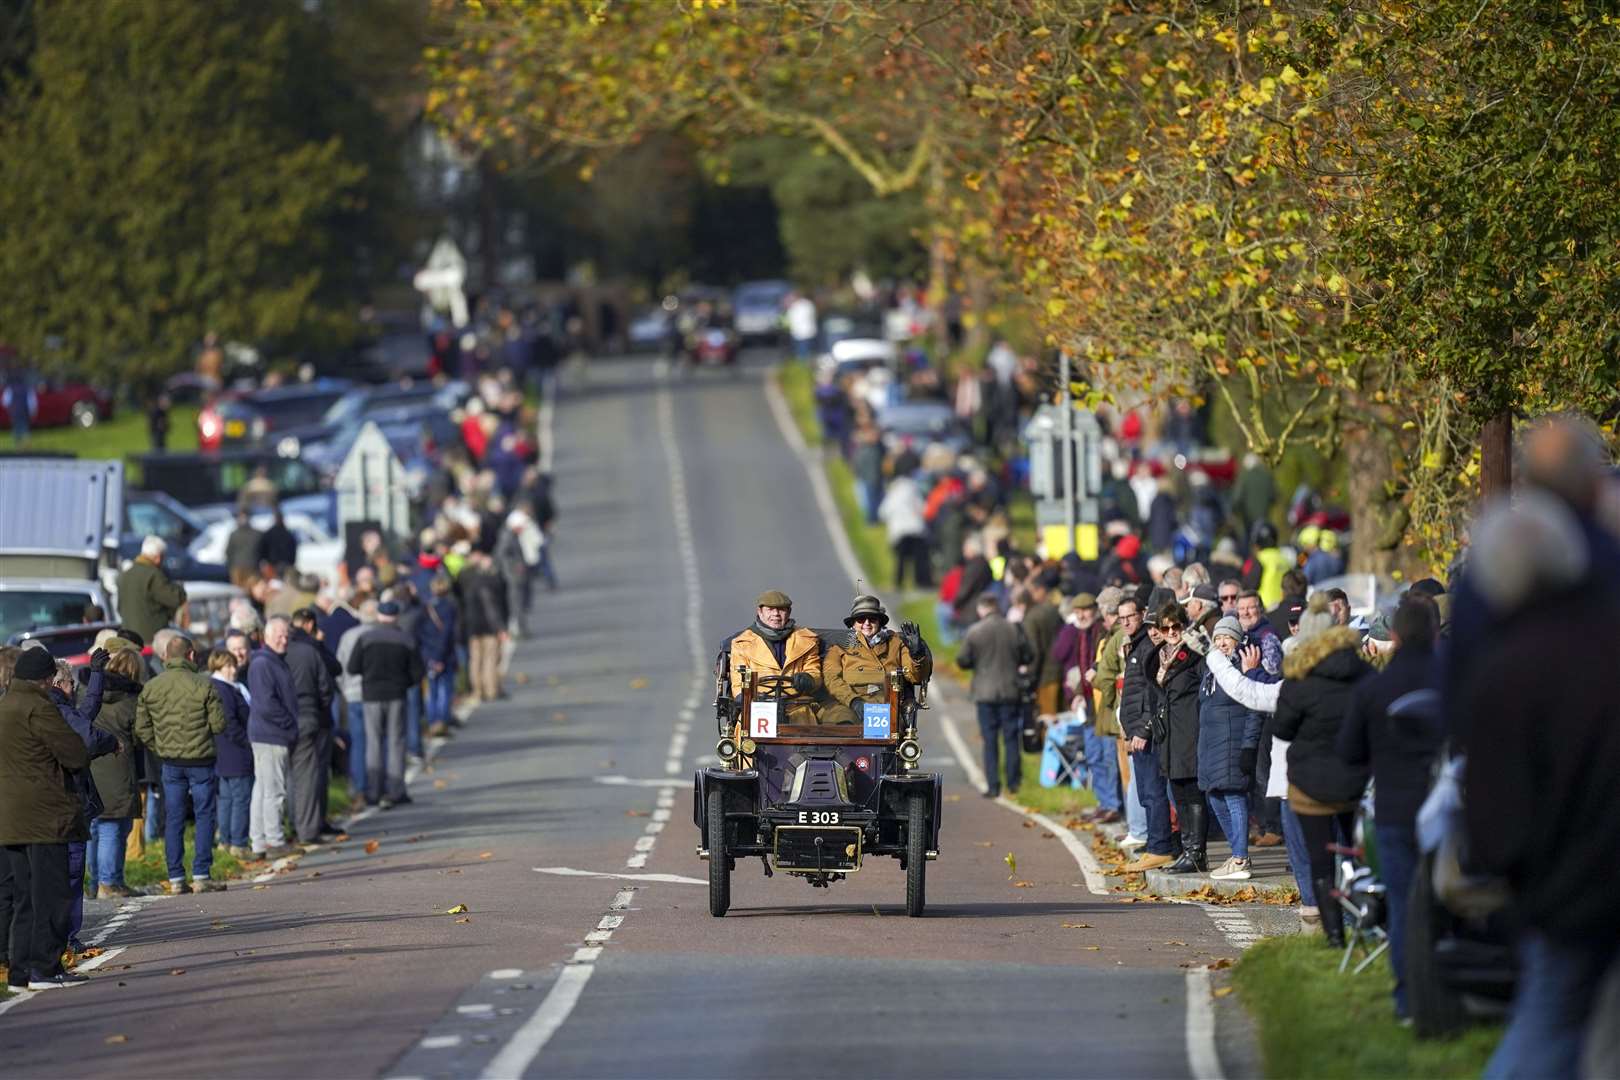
(1436, 1008)
(719, 861)
(84, 414)
(916, 854)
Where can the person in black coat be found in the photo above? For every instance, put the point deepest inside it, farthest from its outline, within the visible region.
(314, 672)
(1172, 676)
(1401, 751)
(1135, 721)
(1323, 788)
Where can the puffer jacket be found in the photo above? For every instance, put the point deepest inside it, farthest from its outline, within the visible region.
(1317, 679)
(1133, 715)
(1173, 707)
(801, 655)
(178, 714)
(115, 774)
(858, 670)
(1225, 729)
(38, 804)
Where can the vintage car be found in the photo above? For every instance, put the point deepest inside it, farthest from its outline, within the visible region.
(814, 800)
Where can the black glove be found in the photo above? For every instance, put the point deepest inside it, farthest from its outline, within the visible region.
(98, 660)
(804, 683)
(1246, 759)
(911, 638)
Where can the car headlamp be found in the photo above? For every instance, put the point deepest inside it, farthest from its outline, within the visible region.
(910, 751)
(726, 749)
(748, 745)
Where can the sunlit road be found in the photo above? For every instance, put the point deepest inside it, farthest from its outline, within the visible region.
(562, 819)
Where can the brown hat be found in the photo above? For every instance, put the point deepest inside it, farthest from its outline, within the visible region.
(1084, 600)
(867, 604)
(773, 598)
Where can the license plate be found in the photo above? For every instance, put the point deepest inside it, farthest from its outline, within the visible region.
(235, 429)
(818, 817)
(875, 720)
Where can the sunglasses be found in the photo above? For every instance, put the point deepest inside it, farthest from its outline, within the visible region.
(1228, 596)
(1170, 628)
(859, 619)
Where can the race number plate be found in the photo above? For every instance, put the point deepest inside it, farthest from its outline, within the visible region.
(876, 720)
(762, 719)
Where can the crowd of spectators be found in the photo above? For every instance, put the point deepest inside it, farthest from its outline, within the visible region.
(317, 684)
(1223, 677)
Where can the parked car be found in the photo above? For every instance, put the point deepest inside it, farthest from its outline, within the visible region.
(243, 418)
(757, 309)
(209, 484)
(154, 513)
(716, 345)
(319, 552)
(60, 402)
(71, 643)
(650, 328)
(921, 423)
(362, 402)
(31, 604)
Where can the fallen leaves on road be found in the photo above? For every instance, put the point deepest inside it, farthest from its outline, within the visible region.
(1077, 926)
(313, 874)
(953, 798)
(559, 718)
(217, 925)
(1012, 863)
(982, 843)
(418, 836)
(1023, 884)
(440, 785)
(1247, 895)
(256, 888)
(372, 846)
(1093, 948)
(638, 683)
(1222, 991)
(464, 920)
(635, 813)
(177, 971)
(1048, 836)
(1222, 964)
(340, 838)
(486, 854)
(1181, 943)
(114, 1040)
(1029, 824)
(459, 909)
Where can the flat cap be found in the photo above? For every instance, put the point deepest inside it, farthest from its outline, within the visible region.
(773, 598)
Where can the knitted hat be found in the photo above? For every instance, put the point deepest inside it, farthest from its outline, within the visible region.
(1316, 618)
(864, 604)
(34, 664)
(1229, 626)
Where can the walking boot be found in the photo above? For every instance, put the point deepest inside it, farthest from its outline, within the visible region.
(1328, 908)
(1194, 837)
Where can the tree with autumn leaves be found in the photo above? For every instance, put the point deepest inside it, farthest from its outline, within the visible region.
(1376, 228)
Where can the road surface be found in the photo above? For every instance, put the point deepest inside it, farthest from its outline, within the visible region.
(561, 818)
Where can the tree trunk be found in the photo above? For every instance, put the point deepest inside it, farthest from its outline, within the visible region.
(489, 225)
(1377, 522)
(1496, 455)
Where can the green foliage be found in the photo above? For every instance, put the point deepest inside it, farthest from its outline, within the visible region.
(154, 188)
(1315, 1022)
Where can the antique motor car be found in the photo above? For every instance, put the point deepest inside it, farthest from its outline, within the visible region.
(815, 800)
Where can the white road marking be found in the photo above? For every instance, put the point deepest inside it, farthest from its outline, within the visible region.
(440, 1042)
(664, 879)
(622, 899)
(96, 961)
(1203, 1059)
(481, 1007)
(636, 861)
(525, 1045)
(629, 781)
(586, 956)
(1233, 924)
(506, 973)
(17, 998)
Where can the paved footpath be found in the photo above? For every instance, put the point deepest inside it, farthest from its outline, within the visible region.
(561, 819)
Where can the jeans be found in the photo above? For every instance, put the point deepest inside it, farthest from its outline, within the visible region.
(270, 765)
(385, 750)
(357, 746)
(76, 852)
(1155, 800)
(235, 809)
(441, 687)
(1559, 982)
(106, 851)
(199, 783)
(1103, 762)
(944, 614)
(1299, 861)
(1005, 718)
(1231, 810)
(1397, 862)
(413, 721)
(1135, 815)
(154, 820)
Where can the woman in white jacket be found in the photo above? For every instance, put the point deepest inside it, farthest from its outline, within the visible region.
(901, 512)
(1262, 697)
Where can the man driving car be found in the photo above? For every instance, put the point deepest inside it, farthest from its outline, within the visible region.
(858, 671)
(774, 645)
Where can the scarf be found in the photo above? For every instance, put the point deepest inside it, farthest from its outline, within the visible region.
(774, 637)
(875, 642)
(1167, 656)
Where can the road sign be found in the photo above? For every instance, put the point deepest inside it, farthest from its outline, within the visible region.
(371, 484)
(443, 278)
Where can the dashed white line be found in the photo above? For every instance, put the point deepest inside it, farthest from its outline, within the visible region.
(440, 1042)
(519, 1053)
(1203, 1059)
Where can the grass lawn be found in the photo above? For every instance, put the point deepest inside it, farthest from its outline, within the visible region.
(1059, 802)
(124, 436)
(1315, 1022)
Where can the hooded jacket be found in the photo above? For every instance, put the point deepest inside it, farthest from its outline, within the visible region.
(178, 714)
(1318, 677)
(115, 774)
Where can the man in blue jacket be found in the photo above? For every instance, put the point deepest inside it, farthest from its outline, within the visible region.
(272, 730)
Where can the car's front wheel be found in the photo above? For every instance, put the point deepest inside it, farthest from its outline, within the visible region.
(719, 861)
(916, 854)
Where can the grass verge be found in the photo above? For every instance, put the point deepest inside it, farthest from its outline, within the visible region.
(123, 436)
(1059, 802)
(1314, 1022)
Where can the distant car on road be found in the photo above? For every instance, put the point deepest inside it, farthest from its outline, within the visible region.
(757, 309)
(362, 402)
(650, 327)
(63, 402)
(243, 418)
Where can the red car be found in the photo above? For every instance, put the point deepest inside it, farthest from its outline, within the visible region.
(58, 403)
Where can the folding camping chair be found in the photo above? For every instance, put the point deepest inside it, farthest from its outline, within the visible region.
(1063, 755)
(1361, 897)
